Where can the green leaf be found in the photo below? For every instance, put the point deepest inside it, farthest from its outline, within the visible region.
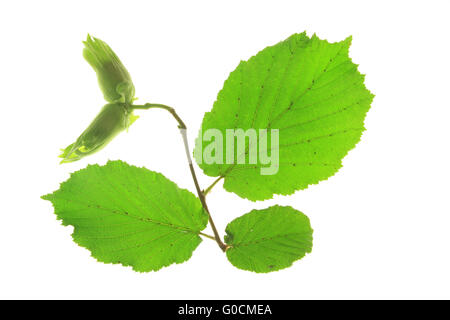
(129, 215)
(268, 240)
(308, 89)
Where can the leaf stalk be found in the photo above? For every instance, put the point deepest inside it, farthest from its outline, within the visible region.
(207, 190)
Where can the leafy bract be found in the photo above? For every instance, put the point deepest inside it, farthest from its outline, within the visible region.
(113, 78)
(118, 89)
(268, 240)
(129, 215)
(312, 93)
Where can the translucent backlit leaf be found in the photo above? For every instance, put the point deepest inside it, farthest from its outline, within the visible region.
(129, 215)
(268, 240)
(312, 93)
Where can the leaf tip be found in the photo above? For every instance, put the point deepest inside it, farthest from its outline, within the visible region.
(47, 197)
(348, 41)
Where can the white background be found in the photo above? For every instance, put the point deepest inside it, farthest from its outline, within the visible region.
(381, 225)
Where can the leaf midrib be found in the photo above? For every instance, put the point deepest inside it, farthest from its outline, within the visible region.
(126, 214)
(264, 239)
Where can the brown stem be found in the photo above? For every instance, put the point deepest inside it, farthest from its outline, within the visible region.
(201, 195)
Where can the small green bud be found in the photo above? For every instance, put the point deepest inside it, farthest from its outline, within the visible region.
(112, 119)
(114, 80)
